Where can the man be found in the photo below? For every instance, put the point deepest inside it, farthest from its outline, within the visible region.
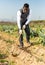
(23, 23)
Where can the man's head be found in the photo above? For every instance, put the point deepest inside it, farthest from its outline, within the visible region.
(25, 8)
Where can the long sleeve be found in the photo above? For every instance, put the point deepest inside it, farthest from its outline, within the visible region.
(28, 18)
(18, 19)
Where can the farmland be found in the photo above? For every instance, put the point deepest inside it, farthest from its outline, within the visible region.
(10, 54)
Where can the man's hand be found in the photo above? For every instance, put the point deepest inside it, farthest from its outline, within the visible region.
(20, 32)
(24, 26)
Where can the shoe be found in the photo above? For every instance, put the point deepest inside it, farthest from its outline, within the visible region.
(20, 46)
(30, 43)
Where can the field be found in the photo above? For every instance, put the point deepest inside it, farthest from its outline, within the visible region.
(11, 54)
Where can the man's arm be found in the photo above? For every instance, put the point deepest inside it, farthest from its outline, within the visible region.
(18, 19)
(28, 19)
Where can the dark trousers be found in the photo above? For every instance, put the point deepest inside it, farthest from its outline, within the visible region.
(27, 31)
